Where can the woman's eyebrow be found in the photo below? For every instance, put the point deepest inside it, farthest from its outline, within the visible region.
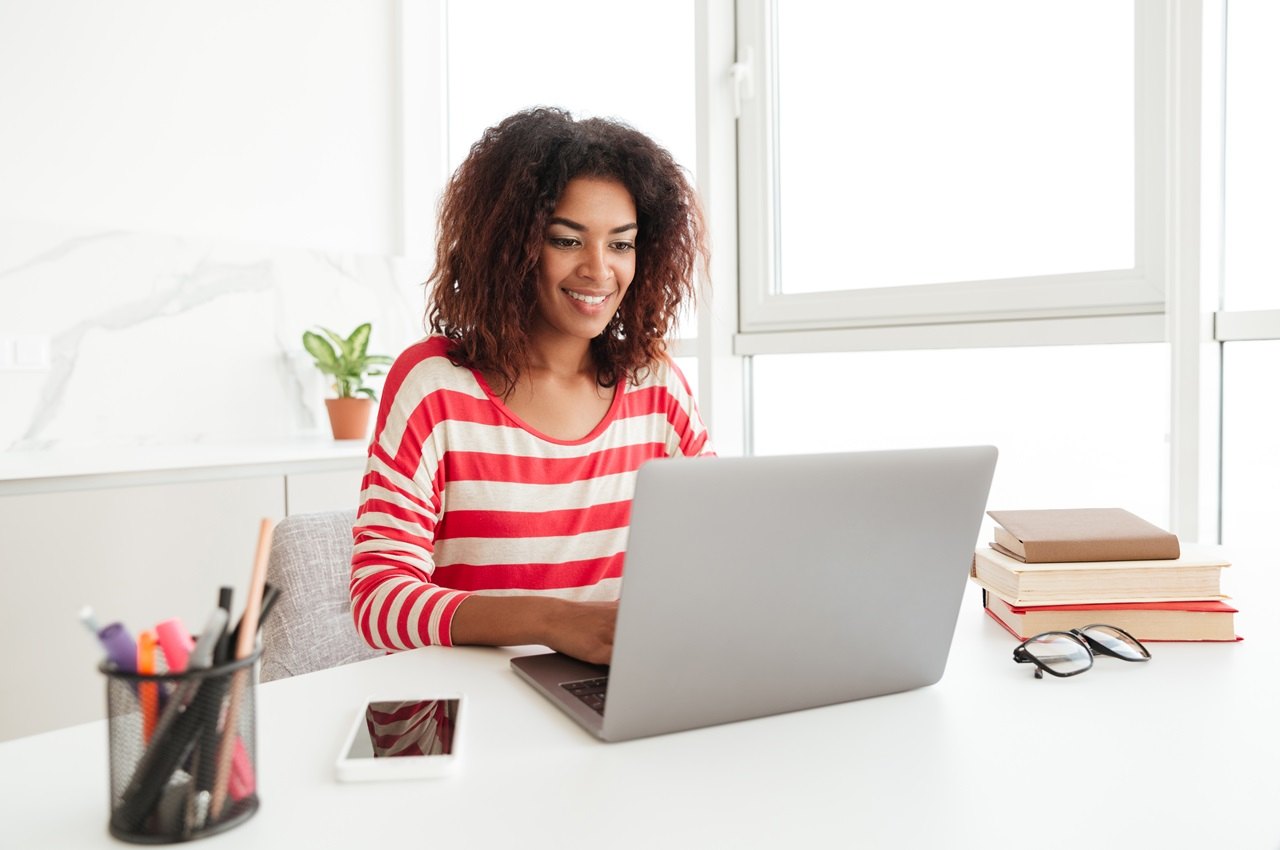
(582, 228)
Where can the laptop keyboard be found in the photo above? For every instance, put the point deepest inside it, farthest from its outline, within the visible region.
(590, 691)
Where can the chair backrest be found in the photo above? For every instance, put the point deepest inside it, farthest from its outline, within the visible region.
(310, 627)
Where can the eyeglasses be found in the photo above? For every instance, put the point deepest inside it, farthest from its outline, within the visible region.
(1071, 653)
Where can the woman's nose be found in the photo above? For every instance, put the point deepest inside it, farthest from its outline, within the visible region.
(593, 265)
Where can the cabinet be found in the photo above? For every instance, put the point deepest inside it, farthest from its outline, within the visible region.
(310, 492)
(139, 553)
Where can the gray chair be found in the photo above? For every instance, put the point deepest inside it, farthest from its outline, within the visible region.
(310, 627)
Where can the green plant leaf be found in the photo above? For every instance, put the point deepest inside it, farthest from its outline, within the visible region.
(367, 391)
(326, 358)
(340, 342)
(358, 342)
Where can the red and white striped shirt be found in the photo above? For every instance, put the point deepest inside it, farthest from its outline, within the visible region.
(460, 496)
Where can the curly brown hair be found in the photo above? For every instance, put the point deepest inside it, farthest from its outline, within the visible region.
(493, 221)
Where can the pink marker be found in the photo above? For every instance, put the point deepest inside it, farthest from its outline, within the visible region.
(176, 642)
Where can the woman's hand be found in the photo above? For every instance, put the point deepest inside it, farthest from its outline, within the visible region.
(581, 629)
(585, 631)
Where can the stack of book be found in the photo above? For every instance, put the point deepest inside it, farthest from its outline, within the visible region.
(1054, 570)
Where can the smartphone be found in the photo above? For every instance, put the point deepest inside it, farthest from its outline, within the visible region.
(402, 738)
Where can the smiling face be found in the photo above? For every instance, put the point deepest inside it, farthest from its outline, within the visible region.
(588, 259)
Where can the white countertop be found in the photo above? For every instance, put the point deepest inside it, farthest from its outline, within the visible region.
(63, 468)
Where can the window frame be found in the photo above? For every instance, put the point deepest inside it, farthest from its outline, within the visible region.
(1140, 290)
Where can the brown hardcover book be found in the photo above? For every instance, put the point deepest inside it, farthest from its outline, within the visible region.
(1195, 575)
(1081, 534)
(1198, 620)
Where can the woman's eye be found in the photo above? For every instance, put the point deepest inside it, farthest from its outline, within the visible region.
(563, 241)
(624, 246)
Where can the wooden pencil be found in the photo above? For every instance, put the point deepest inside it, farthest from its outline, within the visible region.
(243, 648)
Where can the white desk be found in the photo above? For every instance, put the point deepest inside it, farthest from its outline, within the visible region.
(1183, 752)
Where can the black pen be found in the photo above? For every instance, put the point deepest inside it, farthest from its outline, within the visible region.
(269, 595)
(224, 643)
(202, 768)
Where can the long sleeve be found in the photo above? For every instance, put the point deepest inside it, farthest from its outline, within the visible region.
(394, 601)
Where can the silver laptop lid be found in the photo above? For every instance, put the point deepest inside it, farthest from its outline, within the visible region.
(755, 586)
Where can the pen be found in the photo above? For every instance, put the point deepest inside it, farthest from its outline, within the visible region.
(216, 690)
(220, 654)
(269, 595)
(202, 657)
(202, 654)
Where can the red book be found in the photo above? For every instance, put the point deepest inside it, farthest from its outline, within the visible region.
(1200, 620)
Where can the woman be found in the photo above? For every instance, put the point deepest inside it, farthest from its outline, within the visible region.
(495, 503)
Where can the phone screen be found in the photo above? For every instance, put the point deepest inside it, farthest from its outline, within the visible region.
(406, 728)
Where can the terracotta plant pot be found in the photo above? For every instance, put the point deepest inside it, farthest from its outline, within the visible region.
(350, 417)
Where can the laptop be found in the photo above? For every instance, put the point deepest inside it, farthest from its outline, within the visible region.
(761, 585)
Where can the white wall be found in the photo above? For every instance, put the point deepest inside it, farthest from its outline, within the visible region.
(186, 187)
(263, 122)
(159, 339)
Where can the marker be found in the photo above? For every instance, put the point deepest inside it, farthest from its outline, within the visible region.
(148, 692)
(122, 652)
(176, 643)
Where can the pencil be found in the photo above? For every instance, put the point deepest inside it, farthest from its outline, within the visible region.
(244, 647)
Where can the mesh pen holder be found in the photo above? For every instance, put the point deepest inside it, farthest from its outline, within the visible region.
(183, 760)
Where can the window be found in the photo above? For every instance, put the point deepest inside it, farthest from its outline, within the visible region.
(1075, 425)
(1252, 149)
(580, 55)
(1249, 325)
(1250, 458)
(926, 161)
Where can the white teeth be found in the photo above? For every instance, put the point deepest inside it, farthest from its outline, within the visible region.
(585, 299)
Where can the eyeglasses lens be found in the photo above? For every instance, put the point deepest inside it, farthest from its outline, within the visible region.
(1117, 642)
(1062, 654)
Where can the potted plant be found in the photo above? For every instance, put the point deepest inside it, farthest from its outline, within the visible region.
(348, 360)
